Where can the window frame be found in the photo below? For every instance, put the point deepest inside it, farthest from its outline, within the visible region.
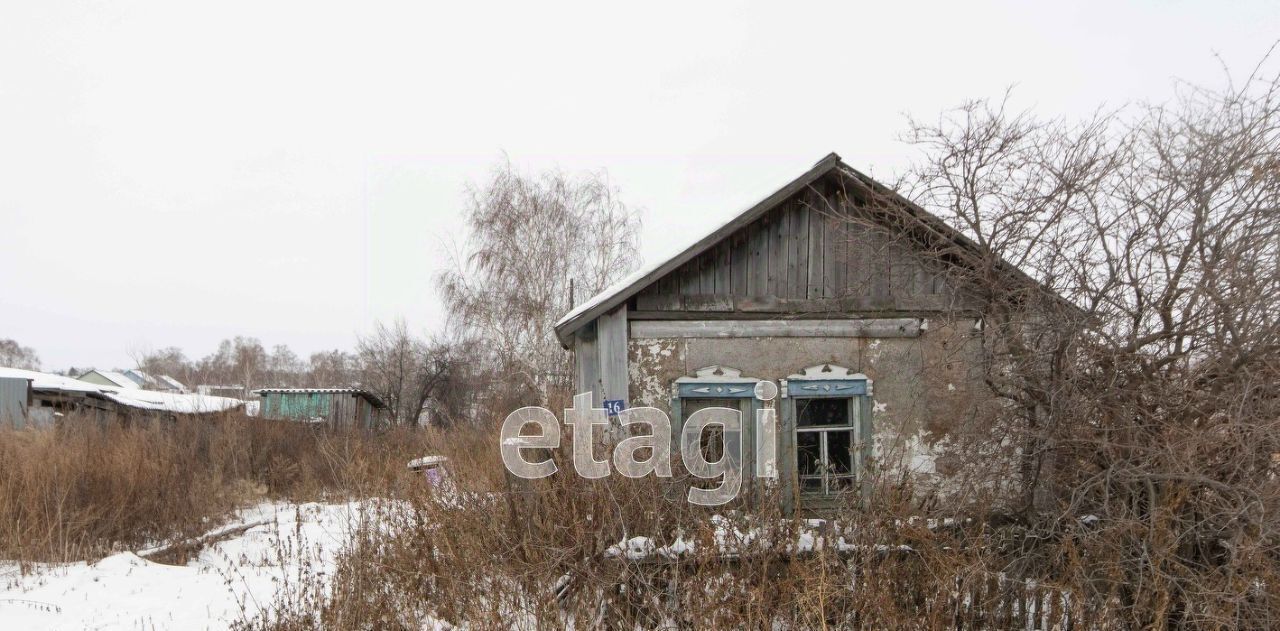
(828, 381)
(851, 427)
(720, 382)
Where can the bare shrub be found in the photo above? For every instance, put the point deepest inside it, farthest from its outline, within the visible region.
(410, 374)
(491, 552)
(1132, 368)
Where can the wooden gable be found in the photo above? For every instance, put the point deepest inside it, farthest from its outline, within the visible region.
(818, 251)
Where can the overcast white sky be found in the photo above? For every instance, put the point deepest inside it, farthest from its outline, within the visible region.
(175, 173)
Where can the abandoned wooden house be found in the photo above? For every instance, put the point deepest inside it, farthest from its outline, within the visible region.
(876, 355)
(344, 407)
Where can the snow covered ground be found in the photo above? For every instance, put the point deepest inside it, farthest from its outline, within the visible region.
(229, 581)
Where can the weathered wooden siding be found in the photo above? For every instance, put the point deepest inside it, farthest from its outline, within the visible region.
(339, 408)
(813, 253)
(587, 363)
(612, 337)
(601, 358)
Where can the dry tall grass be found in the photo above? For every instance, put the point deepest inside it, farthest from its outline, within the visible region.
(492, 553)
(83, 490)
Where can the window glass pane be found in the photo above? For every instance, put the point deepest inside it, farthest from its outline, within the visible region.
(689, 406)
(818, 412)
(839, 456)
(713, 435)
(808, 456)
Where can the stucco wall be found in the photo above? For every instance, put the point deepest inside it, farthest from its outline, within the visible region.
(926, 389)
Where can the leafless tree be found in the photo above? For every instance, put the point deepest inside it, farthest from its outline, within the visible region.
(405, 371)
(167, 361)
(239, 361)
(14, 355)
(1132, 371)
(531, 239)
(328, 369)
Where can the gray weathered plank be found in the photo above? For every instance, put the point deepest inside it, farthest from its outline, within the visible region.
(611, 344)
(709, 302)
(878, 266)
(587, 363)
(840, 281)
(723, 284)
(873, 327)
(689, 282)
(802, 251)
(815, 271)
(659, 302)
(788, 254)
(829, 261)
(709, 272)
(738, 263)
(902, 273)
(756, 282)
(776, 259)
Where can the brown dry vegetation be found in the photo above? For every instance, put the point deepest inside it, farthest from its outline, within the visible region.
(83, 490)
(490, 554)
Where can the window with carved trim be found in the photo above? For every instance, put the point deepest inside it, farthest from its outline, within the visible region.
(828, 411)
(825, 430)
(712, 439)
(722, 387)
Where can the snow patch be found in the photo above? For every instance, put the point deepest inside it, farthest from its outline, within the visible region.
(228, 581)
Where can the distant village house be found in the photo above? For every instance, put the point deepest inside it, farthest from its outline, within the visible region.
(133, 379)
(109, 378)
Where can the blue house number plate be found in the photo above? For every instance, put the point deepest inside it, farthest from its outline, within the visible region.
(613, 406)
